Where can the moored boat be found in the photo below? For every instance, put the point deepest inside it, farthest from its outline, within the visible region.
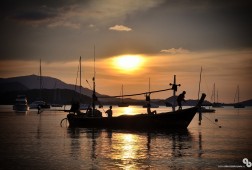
(21, 104)
(206, 110)
(179, 119)
(237, 94)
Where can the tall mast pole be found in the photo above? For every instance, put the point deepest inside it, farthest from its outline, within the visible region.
(122, 93)
(174, 88)
(94, 95)
(40, 80)
(174, 93)
(214, 93)
(80, 77)
(238, 91)
(199, 82)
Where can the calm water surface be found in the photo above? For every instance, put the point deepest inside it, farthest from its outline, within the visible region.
(37, 141)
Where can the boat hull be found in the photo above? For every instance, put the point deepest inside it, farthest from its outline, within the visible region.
(21, 108)
(170, 120)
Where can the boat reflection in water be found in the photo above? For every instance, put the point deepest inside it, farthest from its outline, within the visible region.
(129, 149)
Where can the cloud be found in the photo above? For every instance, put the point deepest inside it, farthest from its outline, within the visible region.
(175, 51)
(51, 14)
(64, 24)
(120, 28)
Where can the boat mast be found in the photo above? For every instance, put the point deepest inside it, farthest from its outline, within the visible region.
(238, 92)
(174, 88)
(199, 82)
(237, 95)
(122, 93)
(80, 78)
(40, 80)
(214, 93)
(217, 97)
(94, 96)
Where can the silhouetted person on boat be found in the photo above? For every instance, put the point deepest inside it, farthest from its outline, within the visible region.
(75, 107)
(181, 98)
(149, 112)
(109, 111)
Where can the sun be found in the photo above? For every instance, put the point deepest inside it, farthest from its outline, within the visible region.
(128, 63)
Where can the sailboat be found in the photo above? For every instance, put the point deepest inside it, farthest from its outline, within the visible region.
(237, 94)
(83, 106)
(122, 104)
(57, 96)
(39, 103)
(215, 103)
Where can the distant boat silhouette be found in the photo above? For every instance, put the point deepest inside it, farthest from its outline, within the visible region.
(152, 105)
(215, 102)
(237, 94)
(57, 97)
(21, 104)
(122, 104)
(39, 103)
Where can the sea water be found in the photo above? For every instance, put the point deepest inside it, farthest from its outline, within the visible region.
(37, 141)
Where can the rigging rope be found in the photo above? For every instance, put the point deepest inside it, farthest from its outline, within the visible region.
(137, 94)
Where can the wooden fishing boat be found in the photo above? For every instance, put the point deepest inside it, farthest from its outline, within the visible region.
(179, 119)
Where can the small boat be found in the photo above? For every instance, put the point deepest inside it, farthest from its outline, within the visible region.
(237, 94)
(179, 119)
(122, 104)
(206, 110)
(152, 105)
(39, 104)
(215, 103)
(21, 104)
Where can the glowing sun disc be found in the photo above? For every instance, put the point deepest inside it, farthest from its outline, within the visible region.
(128, 62)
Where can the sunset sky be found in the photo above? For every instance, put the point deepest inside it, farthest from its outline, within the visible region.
(134, 40)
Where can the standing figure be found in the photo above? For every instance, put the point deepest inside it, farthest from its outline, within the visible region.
(181, 98)
(109, 111)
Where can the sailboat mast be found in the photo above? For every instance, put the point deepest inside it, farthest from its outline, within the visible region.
(217, 100)
(214, 93)
(199, 82)
(80, 77)
(238, 92)
(94, 96)
(40, 79)
(122, 93)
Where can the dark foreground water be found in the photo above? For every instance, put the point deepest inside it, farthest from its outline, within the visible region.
(32, 141)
